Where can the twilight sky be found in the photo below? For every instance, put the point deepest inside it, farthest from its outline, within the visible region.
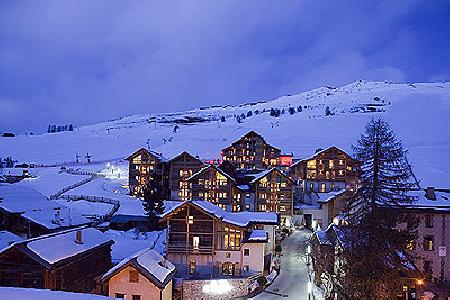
(83, 62)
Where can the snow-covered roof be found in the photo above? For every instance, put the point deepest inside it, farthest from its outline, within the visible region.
(258, 176)
(257, 235)
(157, 155)
(44, 294)
(241, 219)
(215, 168)
(150, 264)
(37, 208)
(12, 171)
(243, 187)
(442, 202)
(53, 248)
(326, 197)
(7, 238)
(315, 155)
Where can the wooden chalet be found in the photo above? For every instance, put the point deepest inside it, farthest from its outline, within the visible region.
(66, 261)
(325, 171)
(203, 241)
(268, 191)
(180, 168)
(213, 184)
(146, 166)
(252, 152)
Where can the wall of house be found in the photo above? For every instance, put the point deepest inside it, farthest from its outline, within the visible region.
(255, 259)
(146, 289)
(440, 231)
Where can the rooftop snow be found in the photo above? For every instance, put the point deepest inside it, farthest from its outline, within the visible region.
(326, 197)
(257, 235)
(43, 294)
(56, 247)
(242, 219)
(7, 238)
(150, 262)
(442, 201)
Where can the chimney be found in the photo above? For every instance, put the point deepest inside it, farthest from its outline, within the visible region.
(429, 193)
(79, 237)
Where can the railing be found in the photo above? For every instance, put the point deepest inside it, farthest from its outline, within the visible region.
(190, 249)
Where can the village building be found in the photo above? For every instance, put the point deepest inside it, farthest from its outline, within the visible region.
(251, 151)
(432, 207)
(326, 171)
(206, 242)
(268, 191)
(147, 167)
(146, 275)
(66, 261)
(215, 185)
(181, 168)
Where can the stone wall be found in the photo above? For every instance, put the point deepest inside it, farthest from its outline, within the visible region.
(215, 289)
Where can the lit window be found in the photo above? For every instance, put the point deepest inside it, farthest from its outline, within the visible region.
(192, 266)
(323, 187)
(191, 219)
(341, 162)
(428, 243)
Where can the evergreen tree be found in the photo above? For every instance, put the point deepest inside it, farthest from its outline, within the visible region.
(378, 233)
(153, 200)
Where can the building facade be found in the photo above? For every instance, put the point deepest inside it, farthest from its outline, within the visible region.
(326, 171)
(146, 167)
(252, 152)
(181, 168)
(203, 241)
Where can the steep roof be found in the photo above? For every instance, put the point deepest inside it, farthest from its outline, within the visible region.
(318, 153)
(263, 174)
(251, 132)
(327, 197)
(442, 202)
(240, 219)
(204, 169)
(155, 154)
(52, 249)
(182, 154)
(7, 238)
(149, 263)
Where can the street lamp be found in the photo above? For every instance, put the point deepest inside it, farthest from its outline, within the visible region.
(309, 290)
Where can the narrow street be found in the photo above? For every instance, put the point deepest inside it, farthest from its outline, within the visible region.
(293, 279)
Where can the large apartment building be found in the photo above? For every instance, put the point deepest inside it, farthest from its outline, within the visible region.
(251, 151)
(325, 171)
(181, 168)
(204, 241)
(146, 167)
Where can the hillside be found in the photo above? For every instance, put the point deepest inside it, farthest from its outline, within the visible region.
(419, 114)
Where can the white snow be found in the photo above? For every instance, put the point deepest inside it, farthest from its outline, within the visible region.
(442, 201)
(325, 197)
(55, 247)
(149, 260)
(37, 208)
(7, 238)
(42, 294)
(258, 235)
(128, 242)
(419, 114)
(242, 219)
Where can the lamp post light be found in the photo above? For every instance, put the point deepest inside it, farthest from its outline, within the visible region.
(309, 290)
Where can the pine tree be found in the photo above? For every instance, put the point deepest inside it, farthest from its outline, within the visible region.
(378, 233)
(153, 201)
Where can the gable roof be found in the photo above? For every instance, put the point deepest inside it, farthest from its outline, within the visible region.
(240, 219)
(53, 249)
(149, 263)
(263, 174)
(155, 154)
(441, 203)
(182, 154)
(320, 152)
(204, 169)
(251, 132)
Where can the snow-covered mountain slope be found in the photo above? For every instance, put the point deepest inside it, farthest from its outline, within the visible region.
(418, 113)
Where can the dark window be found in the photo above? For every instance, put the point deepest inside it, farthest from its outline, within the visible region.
(136, 297)
(428, 243)
(429, 221)
(120, 296)
(428, 268)
(134, 276)
(246, 252)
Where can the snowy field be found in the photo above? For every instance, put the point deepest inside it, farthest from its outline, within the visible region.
(41, 294)
(418, 113)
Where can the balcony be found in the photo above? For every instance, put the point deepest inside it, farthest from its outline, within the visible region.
(181, 248)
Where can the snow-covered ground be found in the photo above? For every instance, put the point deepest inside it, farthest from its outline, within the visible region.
(128, 242)
(418, 113)
(41, 294)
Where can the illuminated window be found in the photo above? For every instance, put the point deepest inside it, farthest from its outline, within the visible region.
(262, 207)
(428, 243)
(341, 162)
(323, 187)
(331, 164)
(133, 276)
(282, 208)
(191, 219)
(341, 172)
(192, 266)
(196, 242)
